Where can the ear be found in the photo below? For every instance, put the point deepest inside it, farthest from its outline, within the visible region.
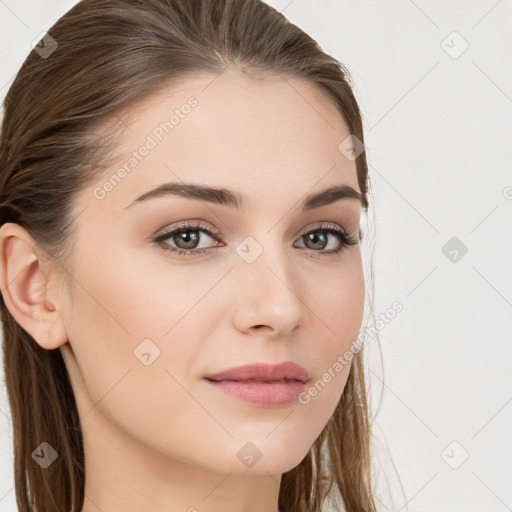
(24, 281)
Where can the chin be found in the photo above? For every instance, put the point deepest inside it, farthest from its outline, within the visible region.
(268, 460)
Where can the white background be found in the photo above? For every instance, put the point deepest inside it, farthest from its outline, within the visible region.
(439, 143)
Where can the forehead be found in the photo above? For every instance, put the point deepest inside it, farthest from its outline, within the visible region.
(269, 138)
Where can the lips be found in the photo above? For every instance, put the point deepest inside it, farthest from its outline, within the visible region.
(263, 372)
(261, 384)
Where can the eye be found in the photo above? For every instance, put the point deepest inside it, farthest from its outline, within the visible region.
(318, 239)
(187, 238)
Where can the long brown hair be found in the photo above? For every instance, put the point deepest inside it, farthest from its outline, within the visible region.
(102, 57)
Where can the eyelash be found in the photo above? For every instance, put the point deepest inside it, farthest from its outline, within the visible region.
(346, 239)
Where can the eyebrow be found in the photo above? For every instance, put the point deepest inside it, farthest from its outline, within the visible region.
(233, 199)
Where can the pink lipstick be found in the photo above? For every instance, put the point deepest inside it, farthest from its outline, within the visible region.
(262, 384)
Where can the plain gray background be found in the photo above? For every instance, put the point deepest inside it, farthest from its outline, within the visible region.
(434, 82)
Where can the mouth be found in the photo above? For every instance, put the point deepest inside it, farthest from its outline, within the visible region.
(257, 380)
(261, 384)
(287, 371)
(260, 393)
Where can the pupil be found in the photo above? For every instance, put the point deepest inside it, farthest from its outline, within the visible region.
(315, 238)
(187, 239)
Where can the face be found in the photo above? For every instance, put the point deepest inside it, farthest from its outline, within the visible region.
(261, 282)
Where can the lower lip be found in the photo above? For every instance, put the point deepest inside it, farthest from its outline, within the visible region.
(264, 394)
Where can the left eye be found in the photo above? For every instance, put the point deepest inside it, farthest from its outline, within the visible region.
(320, 238)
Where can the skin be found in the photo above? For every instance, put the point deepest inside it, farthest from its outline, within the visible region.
(157, 437)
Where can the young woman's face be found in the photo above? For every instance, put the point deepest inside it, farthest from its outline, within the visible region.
(148, 321)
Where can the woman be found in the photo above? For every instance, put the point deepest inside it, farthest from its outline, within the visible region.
(182, 287)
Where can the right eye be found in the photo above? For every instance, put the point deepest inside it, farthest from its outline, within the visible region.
(186, 236)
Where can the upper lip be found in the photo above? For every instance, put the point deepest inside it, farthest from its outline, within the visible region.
(263, 372)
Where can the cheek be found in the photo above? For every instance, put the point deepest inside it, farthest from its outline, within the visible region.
(123, 310)
(134, 330)
(338, 306)
(337, 310)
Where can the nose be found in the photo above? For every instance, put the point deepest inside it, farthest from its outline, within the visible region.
(268, 295)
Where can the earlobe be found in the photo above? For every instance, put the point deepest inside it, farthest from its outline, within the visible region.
(25, 288)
